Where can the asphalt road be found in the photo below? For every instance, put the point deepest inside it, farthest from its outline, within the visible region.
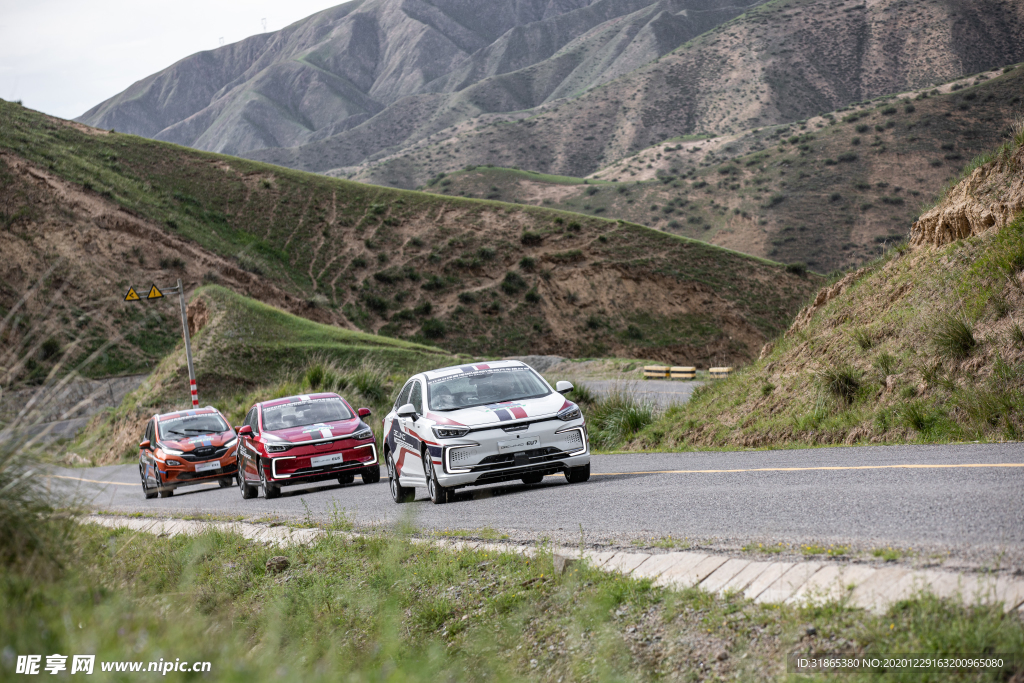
(938, 496)
(663, 392)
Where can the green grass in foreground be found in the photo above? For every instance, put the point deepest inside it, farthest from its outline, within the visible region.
(379, 607)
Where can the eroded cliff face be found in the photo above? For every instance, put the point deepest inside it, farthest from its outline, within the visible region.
(991, 197)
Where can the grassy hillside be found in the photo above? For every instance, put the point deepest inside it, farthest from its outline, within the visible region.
(246, 351)
(827, 191)
(87, 213)
(926, 344)
(780, 62)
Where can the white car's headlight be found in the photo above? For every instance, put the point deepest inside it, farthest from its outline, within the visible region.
(450, 432)
(362, 434)
(570, 413)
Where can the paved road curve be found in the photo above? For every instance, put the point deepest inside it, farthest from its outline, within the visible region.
(662, 392)
(952, 496)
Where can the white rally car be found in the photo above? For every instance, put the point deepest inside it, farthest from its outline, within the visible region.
(480, 424)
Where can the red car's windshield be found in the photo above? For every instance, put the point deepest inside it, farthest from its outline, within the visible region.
(311, 412)
(191, 425)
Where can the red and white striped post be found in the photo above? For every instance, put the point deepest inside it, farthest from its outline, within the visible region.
(188, 346)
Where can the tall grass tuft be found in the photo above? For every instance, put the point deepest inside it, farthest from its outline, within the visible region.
(841, 382)
(885, 363)
(617, 418)
(862, 338)
(954, 337)
(369, 380)
(583, 396)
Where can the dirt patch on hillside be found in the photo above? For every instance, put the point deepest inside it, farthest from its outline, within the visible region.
(990, 198)
(71, 254)
(115, 242)
(536, 193)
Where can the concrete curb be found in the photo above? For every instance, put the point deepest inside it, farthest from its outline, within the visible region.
(874, 589)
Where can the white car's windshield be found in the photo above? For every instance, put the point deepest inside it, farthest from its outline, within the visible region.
(191, 425)
(483, 387)
(314, 411)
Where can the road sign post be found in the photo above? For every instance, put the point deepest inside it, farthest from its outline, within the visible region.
(155, 293)
(188, 346)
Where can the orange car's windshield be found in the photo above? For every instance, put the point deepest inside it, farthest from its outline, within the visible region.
(191, 425)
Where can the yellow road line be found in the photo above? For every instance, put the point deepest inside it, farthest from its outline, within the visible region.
(115, 483)
(806, 469)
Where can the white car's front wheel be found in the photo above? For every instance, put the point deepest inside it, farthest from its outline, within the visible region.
(578, 475)
(439, 495)
(399, 493)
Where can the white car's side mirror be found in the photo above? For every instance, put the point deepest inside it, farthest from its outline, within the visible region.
(408, 411)
(563, 387)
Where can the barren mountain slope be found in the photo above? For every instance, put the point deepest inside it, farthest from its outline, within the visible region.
(828, 192)
(777, 63)
(926, 344)
(480, 277)
(414, 61)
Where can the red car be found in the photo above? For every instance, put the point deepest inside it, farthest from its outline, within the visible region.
(303, 439)
(184, 448)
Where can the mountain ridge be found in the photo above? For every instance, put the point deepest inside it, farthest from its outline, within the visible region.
(771, 65)
(338, 68)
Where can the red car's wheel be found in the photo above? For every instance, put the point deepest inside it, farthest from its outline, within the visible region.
(269, 490)
(371, 475)
(247, 490)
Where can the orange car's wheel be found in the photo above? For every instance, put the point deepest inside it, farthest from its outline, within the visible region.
(164, 493)
(226, 482)
(148, 492)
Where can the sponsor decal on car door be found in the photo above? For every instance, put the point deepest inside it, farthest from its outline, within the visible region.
(403, 440)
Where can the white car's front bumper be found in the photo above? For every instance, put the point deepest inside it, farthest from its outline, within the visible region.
(505, 452)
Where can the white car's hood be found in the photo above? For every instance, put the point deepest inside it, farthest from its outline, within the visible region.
(507, 411)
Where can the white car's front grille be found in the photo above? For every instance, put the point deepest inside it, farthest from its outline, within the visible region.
(572, 440)
(461, 455)
(548, 443)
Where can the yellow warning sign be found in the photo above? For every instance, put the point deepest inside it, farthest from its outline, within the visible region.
(155, 293)
(131, 295)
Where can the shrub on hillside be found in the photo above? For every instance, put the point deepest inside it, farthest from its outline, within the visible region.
(531, 239)
(513, 283)
(434, 328)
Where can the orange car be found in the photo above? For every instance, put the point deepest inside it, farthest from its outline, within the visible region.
(185, 448)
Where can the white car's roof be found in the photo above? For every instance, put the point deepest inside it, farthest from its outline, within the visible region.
(471, 368)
